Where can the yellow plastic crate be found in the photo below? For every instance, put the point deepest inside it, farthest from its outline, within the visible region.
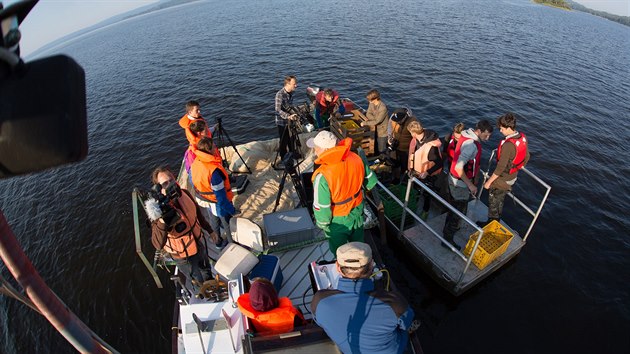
(349, 124)
(495, 241)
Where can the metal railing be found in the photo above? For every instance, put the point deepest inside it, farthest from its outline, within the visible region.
(406, 210)
(135, 197)
(534, 214)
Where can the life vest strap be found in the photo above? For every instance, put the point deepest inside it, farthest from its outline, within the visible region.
(349, 199)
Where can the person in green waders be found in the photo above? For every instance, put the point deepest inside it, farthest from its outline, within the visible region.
(338, 189)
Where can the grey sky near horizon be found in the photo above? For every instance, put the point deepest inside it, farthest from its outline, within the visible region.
(52, 19)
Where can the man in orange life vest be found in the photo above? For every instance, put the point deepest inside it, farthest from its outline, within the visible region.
(464, 175)
(268, 313)
(338, 189)
(512, 155)
(193, 113)
(183, 238)
(212, 189)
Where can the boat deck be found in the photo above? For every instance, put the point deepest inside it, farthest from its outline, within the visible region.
(448, 266)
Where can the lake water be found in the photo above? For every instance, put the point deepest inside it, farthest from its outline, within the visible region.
(565, 73)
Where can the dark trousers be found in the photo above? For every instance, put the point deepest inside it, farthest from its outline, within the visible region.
(283, 134)
(196, 266)
(496, 197)
(452, 220)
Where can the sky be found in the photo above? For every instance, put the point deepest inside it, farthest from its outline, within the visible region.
(52, 19)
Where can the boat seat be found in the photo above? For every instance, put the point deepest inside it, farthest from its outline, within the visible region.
(234, 261)
(247, 233)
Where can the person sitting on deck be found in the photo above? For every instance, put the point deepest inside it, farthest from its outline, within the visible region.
(327, 104)
(425, 159)
(358, 317)
(212, 189)
(268, 313)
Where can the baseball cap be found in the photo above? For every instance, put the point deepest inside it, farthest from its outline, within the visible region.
(354, 254)
(323, 139)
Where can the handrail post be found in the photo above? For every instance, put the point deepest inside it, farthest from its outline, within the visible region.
(404, 214)
(136, 229)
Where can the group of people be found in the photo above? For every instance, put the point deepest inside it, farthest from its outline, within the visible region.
(209, 209)
(356, 316)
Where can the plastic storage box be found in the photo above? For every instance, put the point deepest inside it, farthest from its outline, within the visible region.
(393, 210)
(268, 267)
(495, 241)
(287, 228)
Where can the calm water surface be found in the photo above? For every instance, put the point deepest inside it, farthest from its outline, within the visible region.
(565, 73)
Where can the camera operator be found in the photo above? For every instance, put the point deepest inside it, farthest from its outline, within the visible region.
(283, 107)
(181, 236)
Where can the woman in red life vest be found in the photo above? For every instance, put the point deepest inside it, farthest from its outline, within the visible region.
(268, 313)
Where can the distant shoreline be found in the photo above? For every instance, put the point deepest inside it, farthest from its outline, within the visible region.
(559, 4)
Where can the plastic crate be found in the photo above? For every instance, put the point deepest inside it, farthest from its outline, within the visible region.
(495, 241)
(393, 210)
(287, 228)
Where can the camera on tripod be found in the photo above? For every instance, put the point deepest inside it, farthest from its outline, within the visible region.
(161, 205)
(304, 121)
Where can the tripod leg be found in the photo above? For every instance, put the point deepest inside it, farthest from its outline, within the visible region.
(280, 188)
(222, 131)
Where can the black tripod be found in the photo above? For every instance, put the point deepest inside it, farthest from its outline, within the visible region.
(219, 133)
(290, 170)
(294, 145)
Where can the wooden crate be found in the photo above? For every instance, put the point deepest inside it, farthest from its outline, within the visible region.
(361, 136)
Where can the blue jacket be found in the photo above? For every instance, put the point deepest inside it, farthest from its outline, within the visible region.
(360, 319)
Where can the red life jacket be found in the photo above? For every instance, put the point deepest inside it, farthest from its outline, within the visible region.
(471, 168)
(325, 106)
(521, 151)
(183, 244)
(450, 148)
(344, 171)
(276, 321)
(201, 170)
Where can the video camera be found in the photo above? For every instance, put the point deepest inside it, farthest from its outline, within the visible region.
(160, 205)
(43, 116)
(304, 123)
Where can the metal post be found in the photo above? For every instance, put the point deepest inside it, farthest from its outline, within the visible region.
(51, 307)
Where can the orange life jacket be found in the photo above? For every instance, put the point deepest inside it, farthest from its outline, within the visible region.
(183, 244)
(419, 159)
(471, 168)
(201, 170)
(344, 171)
(276, 321)
(521, 151)
(185, 123)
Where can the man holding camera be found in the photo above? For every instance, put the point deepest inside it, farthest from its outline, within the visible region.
(338, 189)
(283, 106)
(180, 234)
